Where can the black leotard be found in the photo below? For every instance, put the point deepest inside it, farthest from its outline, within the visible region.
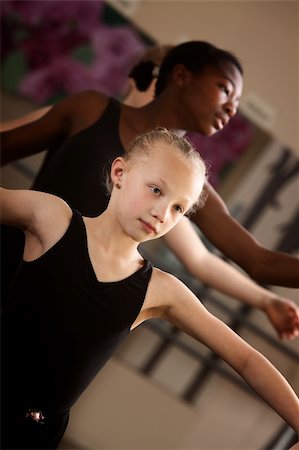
(60, 327)
(74, 170)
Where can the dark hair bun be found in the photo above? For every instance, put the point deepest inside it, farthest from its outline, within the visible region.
(143, 74)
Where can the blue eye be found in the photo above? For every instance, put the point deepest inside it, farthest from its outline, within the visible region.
(179, 209)
(155, 190)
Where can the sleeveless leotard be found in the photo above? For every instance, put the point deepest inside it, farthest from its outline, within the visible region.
(74, 171)
(60, 327)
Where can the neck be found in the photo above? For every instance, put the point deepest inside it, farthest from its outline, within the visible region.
(111, 237)
(158, 113)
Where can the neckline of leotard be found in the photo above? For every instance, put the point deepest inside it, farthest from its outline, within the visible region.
(95, 280)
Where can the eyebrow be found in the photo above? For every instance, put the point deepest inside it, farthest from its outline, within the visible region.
(161, 181)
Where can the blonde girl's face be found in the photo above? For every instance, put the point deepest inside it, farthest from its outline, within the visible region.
(157, 189)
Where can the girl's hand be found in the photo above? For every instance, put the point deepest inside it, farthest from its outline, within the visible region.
(284, 316)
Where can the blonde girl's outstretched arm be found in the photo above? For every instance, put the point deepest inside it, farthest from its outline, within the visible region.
(182, 308)
(43, 218)
(18, 207)
(185, 243)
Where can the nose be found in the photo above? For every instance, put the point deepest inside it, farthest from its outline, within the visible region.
(160, 212)
(231, 108)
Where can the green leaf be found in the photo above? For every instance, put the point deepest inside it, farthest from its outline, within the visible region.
(14, 68)
(84, 54)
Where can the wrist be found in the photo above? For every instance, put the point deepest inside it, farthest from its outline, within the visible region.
(267, 299)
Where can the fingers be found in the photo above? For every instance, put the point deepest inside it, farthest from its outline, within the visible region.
(284, 316)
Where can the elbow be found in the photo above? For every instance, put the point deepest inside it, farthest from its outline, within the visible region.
(257, 266)
(252, 359)
(198, 268)
(255, 272)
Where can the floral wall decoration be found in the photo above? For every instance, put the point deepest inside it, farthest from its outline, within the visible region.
(55, 48)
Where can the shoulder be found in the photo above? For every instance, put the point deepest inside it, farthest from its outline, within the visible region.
(51, 217)
(81, 109)
(164, 279)
(92, 97)
(46, 214)
(165, 289)
(50, 210)
(24, 208)
(170, 299)
(87, 99)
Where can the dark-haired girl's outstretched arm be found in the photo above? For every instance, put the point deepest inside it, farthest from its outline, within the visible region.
(24, 120)
(232, 239)
(67, 117)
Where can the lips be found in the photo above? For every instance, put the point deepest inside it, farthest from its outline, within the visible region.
(148, 228)
(220, 122)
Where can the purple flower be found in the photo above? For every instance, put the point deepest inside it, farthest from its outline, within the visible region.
(84, 15)
(53, 35)
(115, 49)
(51, 28)
(62, 75)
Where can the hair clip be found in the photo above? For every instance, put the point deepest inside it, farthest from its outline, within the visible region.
(156, 71)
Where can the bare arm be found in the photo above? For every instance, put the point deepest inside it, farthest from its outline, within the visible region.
(261, 264)
(210, 269)
(185, 311)
(64, 119)
(43, 218)
(28, 118)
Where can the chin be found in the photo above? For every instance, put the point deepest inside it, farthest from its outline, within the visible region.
(207, 130)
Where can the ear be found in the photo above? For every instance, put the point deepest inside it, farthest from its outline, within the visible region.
(118, 167)
(181, 75)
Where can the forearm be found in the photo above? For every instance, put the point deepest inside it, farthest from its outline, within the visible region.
(28, 118)
(47, 128)
(275, 268)
(262, 376)
(189, 315)
(13, 149)
(212, 270)
(222, 276)
(261, 264)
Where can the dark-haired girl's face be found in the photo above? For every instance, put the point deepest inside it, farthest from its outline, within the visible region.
(209, 100)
